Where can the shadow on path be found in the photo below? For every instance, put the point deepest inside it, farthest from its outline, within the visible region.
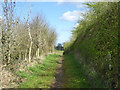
(59, 75)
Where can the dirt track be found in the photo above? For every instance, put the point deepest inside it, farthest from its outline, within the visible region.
(59, 75)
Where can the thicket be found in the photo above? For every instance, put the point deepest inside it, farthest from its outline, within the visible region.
(96, 39)
(23, 40)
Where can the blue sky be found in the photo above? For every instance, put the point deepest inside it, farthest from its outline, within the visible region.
(61, 16)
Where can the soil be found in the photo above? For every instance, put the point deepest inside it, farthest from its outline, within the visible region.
(59, 75)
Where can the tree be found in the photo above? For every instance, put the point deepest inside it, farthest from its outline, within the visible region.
(7, 30)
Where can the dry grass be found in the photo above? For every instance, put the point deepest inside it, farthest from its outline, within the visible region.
(9, 78)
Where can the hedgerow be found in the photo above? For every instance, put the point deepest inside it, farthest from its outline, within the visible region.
(97, 40)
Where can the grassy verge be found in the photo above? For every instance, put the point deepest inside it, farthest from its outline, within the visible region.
(59, 52)
(73, 76)
(41, 75)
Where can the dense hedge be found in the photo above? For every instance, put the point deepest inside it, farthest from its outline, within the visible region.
(97, 41)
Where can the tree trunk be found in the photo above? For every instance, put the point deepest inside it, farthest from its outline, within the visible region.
(30, 48)
(9, 51)
(26, 55)
(38, 51)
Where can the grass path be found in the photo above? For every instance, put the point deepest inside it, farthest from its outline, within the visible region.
(59, 75)
(57, 71)
(41, 75)
(74, 77)
(69, 74)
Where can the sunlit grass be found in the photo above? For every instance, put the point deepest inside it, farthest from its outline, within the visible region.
(59, 52)
(41, 75)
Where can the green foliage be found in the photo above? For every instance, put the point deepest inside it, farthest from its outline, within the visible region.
(23, 74)
(41, 75)
(97, 40)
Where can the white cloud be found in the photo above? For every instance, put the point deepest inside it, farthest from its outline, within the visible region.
(85, 0)
(65, 1)
(72, 15)
(60, 1)
(81, 6)
(76, 25)
(0, 17)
